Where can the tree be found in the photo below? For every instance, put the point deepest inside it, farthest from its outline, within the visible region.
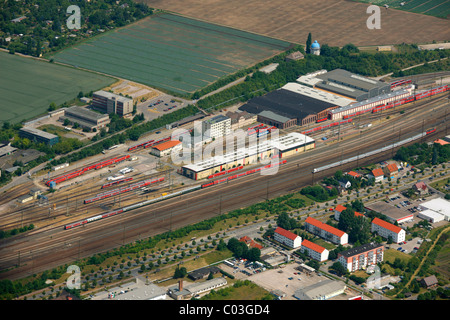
(180, 272)
(308, 43)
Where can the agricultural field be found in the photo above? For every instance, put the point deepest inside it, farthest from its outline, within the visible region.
(437, 8)
(172, 53)
(28, 86)
(332, 22)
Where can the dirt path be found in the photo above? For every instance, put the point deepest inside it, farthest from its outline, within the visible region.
(425, 257)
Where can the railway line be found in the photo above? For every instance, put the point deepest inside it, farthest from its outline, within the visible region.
(38, 251)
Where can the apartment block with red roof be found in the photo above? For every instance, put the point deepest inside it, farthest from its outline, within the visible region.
(288, 238)
(361, 257)
(386, 230)
(326, 231)
(314, 251)
(338, 210)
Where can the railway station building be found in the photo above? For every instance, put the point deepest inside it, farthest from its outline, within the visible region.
(283, 146)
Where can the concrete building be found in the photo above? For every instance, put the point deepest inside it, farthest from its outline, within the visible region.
(145, 292)
(108, 102)
(314, 251)
(38, 136)
(388, 230)
(439, 206)
(323, 290)
(180, 292)
(354, 86)
(86, 118)
(288, 238)
(164, 149)
(326, 231)
(284, 146)
(361, 257)
(241, 119)
(272, 119)
(393, 213)
(216, 127)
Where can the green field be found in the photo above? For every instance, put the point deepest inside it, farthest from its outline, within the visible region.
(172, 53)
(437, 8)
(28, 86)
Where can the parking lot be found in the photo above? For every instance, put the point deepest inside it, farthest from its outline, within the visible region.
(160, 105)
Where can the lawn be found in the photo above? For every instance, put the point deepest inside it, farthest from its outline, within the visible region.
(172, 53)
(437, 8)
(28, 86)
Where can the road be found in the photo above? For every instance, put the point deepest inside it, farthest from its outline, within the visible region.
(38, 251)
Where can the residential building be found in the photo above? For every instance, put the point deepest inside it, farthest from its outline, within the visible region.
(338, 210)
(354, 174)
(391, 171)
(314, 251)
(108, 102)
(294, 56)
(38, 136)
(250, 242)
(361, 257)
(288, 238)
(388, 230)
(377, 174)
(421, 187)
(164, 149)
(326, 231)
(430, 282)
(216, 127)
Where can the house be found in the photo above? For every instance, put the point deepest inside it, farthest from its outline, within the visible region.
(421, 187)
(429, 282)
(391, 171)
(377, 174)
(344, 183)
(250, 242)
(294, 56)
(441, 142)
(354, 174)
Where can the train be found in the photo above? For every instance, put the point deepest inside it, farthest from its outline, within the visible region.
(79, 172)
(115, 192)
(327, 126)
(370, 153)
(411, 98)
(107, 185)
(400, 83)
(272, 165)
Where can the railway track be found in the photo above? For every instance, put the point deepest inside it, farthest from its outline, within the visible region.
(40, 250)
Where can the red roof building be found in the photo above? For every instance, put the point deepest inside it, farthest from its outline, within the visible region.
(338, 210)
(288, 238)
(326, 231)
(388, 230)
(250, 242)
(314, 250)
(165, 148)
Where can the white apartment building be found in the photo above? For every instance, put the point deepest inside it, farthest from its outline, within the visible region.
(326, 231)
(361, 257)
(217, 127)
(288, 238)
(314, 251)
(388, 230)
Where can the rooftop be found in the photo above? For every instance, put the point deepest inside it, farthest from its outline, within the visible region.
(358, 250)
(324, 226)
(166, 145)
(318, 94)
(313, 246)
(438, 205)
(110, 95)
(285, 233)
(85, 113)
(39, 133)
(386, 225)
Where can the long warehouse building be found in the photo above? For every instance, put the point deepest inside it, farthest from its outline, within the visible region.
(285, 146)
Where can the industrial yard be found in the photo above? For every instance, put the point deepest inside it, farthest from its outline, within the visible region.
(190, 174)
